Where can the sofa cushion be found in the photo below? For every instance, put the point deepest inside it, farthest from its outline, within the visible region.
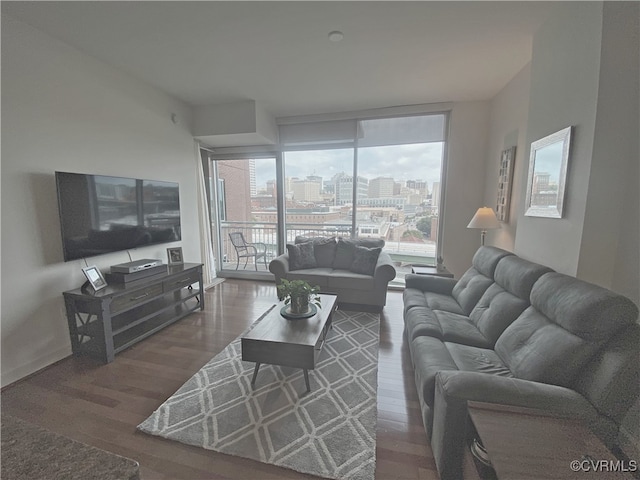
(421, 321)
(568, 321)
(414, 297)
(470, 289)
(344, 254)
(445, 326)
(346, 279)
(475, 281)
(475, 359)
(517, 275)
(431, 355)
(365, 260)
(460, 329)
(580, 307)
(535, 348)
(301, 256)
(495, 311)
(314, 276)
(508, 297)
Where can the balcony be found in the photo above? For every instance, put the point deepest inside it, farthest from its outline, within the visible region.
(404, 254)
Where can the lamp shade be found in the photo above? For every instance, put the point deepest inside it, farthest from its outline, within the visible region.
(485, 218)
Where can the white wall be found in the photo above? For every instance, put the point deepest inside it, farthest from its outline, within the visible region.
(63, 110)
(468, 140)
(607, 255)
(508, 121)
(584, 73)
(564, 87)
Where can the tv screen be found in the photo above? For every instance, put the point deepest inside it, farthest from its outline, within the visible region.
(101, 214)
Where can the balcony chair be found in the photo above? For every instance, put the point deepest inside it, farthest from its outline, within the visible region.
(248, 250)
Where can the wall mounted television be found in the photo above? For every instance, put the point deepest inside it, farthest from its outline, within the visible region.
(101, 214)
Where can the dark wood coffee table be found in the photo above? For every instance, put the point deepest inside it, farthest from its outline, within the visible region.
(289, 343)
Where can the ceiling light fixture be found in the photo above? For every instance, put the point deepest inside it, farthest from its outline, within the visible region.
(336, 36)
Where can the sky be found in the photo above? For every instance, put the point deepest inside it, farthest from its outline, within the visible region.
(401, 162)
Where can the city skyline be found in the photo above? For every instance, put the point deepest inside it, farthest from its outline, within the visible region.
(400, 162)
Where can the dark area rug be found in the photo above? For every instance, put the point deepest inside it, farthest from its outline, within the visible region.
(329, 432)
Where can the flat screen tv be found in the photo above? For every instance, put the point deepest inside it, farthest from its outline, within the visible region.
(101, 214)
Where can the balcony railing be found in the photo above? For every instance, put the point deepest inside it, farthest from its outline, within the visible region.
(404, 254)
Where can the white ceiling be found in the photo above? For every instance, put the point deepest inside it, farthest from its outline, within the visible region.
(278, 53)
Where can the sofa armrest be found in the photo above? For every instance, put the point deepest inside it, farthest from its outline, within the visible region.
(430, 283)
(455, 388)
(279, 266)
(385, 271)
(485, 387)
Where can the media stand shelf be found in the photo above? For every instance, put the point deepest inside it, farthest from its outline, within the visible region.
(106, 322)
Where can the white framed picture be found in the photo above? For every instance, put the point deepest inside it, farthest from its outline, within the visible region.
(95, 278)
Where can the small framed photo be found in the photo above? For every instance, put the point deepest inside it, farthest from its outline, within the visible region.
(175, 255)
(95, 277)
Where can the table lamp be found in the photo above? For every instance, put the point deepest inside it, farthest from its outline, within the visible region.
(485, 218)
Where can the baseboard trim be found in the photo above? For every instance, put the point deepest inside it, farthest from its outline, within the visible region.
(23, 372)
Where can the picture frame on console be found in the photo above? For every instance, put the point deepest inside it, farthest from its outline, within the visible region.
(94, 277)
(175, 256)
(548, 164)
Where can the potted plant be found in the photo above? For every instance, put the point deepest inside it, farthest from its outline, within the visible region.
(298, 294)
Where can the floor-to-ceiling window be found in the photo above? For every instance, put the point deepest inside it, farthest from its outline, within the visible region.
(376, 178)
(366, 177)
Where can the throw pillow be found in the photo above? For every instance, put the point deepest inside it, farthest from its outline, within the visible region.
(365, 260)
(301, 256)
(325, 251)
(344, 254)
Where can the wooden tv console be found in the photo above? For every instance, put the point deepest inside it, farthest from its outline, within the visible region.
(106, 322)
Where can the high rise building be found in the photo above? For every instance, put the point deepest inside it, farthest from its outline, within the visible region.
(435, 194)
(252, 178)
(344, 188)
(234, 186)
(381, 187)
(419, 185)
(315, 178)
(305, 190)
(271, 188)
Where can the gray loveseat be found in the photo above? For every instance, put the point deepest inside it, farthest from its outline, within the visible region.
(357, 270)
(515, 332)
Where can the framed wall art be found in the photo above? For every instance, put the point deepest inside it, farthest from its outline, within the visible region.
(505, 181)
(546, 186)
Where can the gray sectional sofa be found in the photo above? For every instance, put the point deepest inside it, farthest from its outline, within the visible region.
(357, 270)
(515, 332)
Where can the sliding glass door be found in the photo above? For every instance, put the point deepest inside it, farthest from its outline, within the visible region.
(246, 205)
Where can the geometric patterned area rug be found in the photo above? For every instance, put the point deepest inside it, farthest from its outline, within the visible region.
(329, 432)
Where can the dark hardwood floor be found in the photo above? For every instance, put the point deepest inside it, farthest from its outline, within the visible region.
(101, 405)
